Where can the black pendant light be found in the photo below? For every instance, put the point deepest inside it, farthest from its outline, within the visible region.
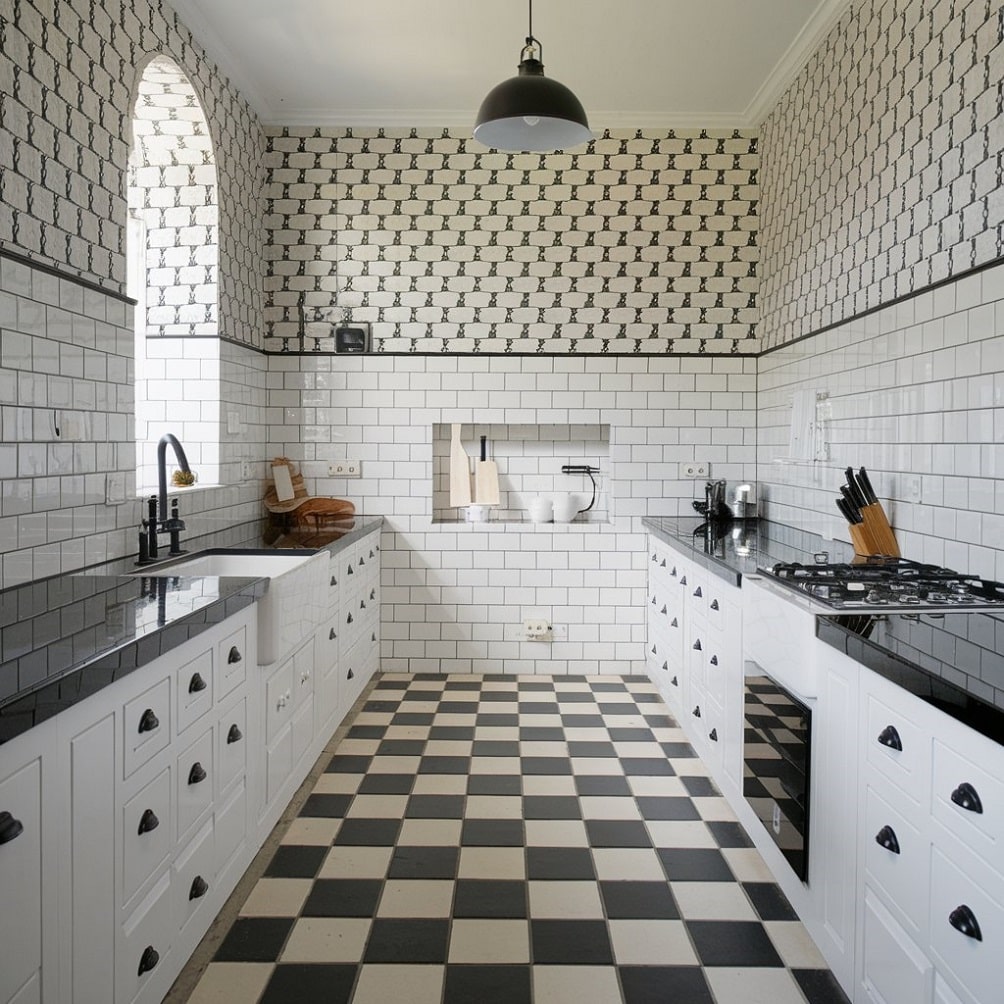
(529, 112)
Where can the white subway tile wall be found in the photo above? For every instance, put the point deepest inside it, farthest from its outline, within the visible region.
(455, 595)
(916, 395)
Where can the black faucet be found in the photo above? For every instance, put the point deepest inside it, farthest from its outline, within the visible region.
(158, 521)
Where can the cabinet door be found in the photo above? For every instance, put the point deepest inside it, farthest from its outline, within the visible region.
(894, 970)
(147, 836)
(20, 876)
(231, 746)
(194, 781)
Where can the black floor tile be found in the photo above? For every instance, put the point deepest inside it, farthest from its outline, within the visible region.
(732, 943)
(623, 735)
(368, 832)
(415, 694)
(647, 698)
(729, 834)
(445, 765)
(296, 861)
(819, 986)
(387, 784)
(435, 807)
(646, 766)
(545, 765)
(492, 833)
(499, 697)
(489, 898)
(639, 901)
(495, 747)
(551, 807)
(471, 686)
(601, 784)
(617, 709)
(591, 749)
(489, 719)
(344, 764)
(401, 747)
(381, 706)
(617, 833)
(659, 721)
(254, 939)
(664, 985)
(667, 807)
(495, 784)
(311, 983)
(769, 902)
(452, 733)
(699, 786)
(407, 941)
(424, 863)
(576, 697)
(607, 687)
(412, 718)
(583, 721)
(559, 863)
(678, 751)
(343, 898)
(570, 943)
(530, 708)
(694, 864)
(447, 707)
(328, 806)
(487, 985)
(366, 732)
(535, 686)
(541, 734)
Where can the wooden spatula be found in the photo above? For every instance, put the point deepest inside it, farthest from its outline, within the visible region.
(460, 470)
(486, 478)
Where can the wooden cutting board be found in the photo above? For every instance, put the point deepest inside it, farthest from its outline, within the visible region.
(486, 478)
(460, 470)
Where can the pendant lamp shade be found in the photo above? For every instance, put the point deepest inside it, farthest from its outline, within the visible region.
(529, 112)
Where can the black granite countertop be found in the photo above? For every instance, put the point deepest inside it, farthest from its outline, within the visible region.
(738, 547)
(954, 661)
(68, 636)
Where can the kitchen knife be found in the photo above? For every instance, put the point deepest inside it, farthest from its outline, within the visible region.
(460, 471)
(852, 515)
(486, 478)
(857, 495)
(876, 520)
(855, 526)
(852, 506)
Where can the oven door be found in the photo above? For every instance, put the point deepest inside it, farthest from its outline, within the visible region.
(777, 734)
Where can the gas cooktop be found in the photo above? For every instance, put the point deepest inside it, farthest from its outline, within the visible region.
(885, 583)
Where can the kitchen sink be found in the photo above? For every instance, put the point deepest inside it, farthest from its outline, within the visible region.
(291, 609)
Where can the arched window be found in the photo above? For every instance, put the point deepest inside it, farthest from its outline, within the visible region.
(173, 258)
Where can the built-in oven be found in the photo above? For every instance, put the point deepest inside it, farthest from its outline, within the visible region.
(777, 740)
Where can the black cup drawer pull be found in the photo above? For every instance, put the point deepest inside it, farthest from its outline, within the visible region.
(148, 821)
(886, 837)
(890, 737)
(332, 635)
(698, 593)
(713, 735)
(148, 721)
(714, 605)
(964, 921)
(697, 645)
(234, 655)
(148, 960)
(197, 774)
(197, 684)
(697, 711)
(683, 580)
(966, 797)
(10, 828)
(675, 682)
(234, 735)
(350, 675)
(334, 581)
(199, 888)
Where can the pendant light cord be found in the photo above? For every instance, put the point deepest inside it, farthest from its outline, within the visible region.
(531, 42)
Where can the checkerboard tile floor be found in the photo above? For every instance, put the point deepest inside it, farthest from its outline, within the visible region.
(507, 840)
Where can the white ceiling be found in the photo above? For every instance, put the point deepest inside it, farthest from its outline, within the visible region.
(632, 63)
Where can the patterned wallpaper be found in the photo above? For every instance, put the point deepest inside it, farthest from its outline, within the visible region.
(882, 169)
(644, 243)
(69, 74)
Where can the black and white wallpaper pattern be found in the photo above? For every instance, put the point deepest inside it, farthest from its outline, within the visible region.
(882, 166)
(643, 243)
(68, 79)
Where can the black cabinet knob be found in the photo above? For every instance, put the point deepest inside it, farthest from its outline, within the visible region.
(665, 666)
(348, 620)
(333, 582)
(886, 837)
(362, 604)
(372, 594)
(196, 684)
(697, 711)
(713, 735)
(199, 888)
(673, 572)
(654, 556)
(197, 774)
(653, 600)
(890, 737)
(965, 797)
(234, 655)
(350, 572)
(698, 593)
(148, 821)
(10, 828)
(683, 580)
(714, 660)
(964, 921)
(332, 635)
(662, 564)
(697, 645)
(148, 721)
(675, 682)
(350, 675)
(362, 561)
(373, 636)
(674, 623)
(653, 650)
(148, 960)
(234, 735)
(714, 605)
(663, 610)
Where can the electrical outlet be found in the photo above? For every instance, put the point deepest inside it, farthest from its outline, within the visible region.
(914, 488)
(696, 470)
(536, 629)
(345, 469)
(247, 470)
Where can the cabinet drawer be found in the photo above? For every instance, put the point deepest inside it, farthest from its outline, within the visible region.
(146, 833)
(326, 644)
(959, 894)
(20, 877)
(897, 746)
(146, 723)
(231, 746)
(231, 661)
(894, 970)
(194, 684)
(896, 855)
(970, 801)
(146, 941)
(278, 700)
(231, 827)
(194, 780)
(721, 614)
(192, 878)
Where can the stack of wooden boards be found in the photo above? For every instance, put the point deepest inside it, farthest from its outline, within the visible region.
(866, 519)
(485, 488)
